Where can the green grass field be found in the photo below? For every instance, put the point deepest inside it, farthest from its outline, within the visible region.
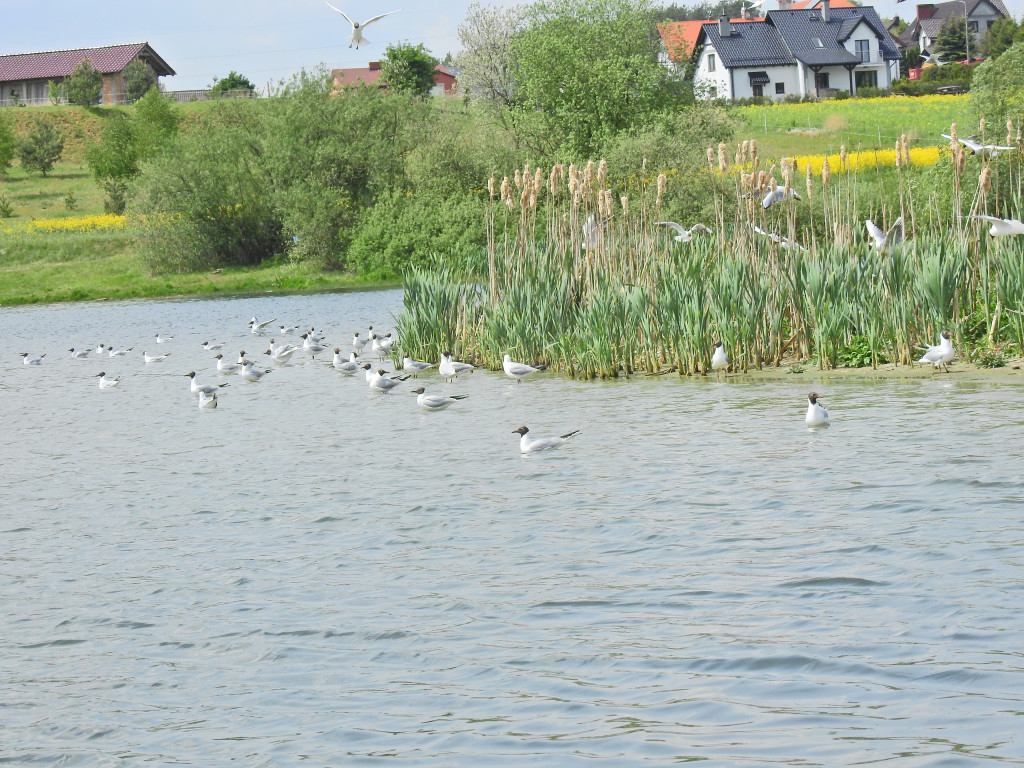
(819, 127)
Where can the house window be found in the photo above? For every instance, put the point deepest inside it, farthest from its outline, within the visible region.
(711, 62)
(821, 80)
(973, 26)
(780, 87)
(818, 43)
(863, 49)
(868, 79)
(713, 91)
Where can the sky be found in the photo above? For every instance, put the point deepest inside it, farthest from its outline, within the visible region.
(265, 40)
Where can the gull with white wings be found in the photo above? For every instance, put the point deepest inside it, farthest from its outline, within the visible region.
(976, 148)
(28, 359)
(154, 358)
(1002, 227)
(106, 383)
(226, 366)
(719, 360)
(778, 195)
(207, 401)
(683, 235)
(355, 38)
(883, 241)
(520, 371)
(529, 444)
(940, 355)
(450, 368)
(260, 327)
(348, 367)
(435, 402)
(817, 415)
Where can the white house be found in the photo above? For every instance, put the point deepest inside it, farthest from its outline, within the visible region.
(924, 29)
(811, 51)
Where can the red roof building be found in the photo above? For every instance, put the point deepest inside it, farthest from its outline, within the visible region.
(24, 76)
(445, 82)
(679, 37)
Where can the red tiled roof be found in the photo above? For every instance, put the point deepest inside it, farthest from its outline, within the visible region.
(800, 4)
(48, 64)
(371, 76)
(679, 36)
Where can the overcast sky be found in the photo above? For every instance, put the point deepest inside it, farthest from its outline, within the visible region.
(265, 40)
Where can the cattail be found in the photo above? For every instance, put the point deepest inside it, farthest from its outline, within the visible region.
(753, 150)
(810, 182)
(772, 183)
(538, 182)
(899, 155)
(961, 160)
(842, 155)
(490, 187)
(574, 183)
(1009, 132)
(785, 175)
(519, 179)
(982, 124)
(526, 173)
(1018, 134)
(524, 198)
(506, 190)
(826, 173)
(602, 173)
(662, 183)
(553, 181)
(745, 150)
(953, 136)
(624, 201)
(762, 179)
(711, 157)
(588, 174)
(905, 149)
(723, 158)
(985, 180)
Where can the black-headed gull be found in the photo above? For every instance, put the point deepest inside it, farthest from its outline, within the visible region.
(100, 349)
(313, 347)
(593, 231)
(28, 359)
(1002, 227)
(195, 387)
(777, 195)
(154, 358)
(286, 330)
(529, 444)
(719, 360)
(520, 371)
(118, 352)
(207, 401)
(163, 339)
(941, 355)
(106, 383)
(381, 345)
(450, 368)
(684, 235)
(817, 415)
(79, 354)
(358, 343)
(435, 402)
(226, 366)
(213, 347)
(415, 366)
(381, 383)
(977, 148)
(782, 242)
(250, 372)
(883, 241)
(281, 353)
(348, 367)
(355, 38)
(259, 327)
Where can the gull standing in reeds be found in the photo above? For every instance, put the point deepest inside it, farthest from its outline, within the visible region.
(348, 367)
(449, 368)
(415, 366)
(940, 355)
(435, 402)
(719, 360)
(684, 235)
(226, 366)
(883, 241)
(777, 195)
(520, 371)
(976, 148)
(817, 415)
(1002, 227)
(196, 388)
(154, 358)
(28, 359)
(593, 232)
(355, 38)
(79, 354)
(529, 444)
(106, 383)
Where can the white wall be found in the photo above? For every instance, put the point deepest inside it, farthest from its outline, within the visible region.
(785, 74)
(705, 79)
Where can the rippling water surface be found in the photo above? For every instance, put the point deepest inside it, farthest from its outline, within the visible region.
(312, 575)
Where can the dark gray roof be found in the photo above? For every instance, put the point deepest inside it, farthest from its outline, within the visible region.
(941, 13)
(803, 29)
(751, 44)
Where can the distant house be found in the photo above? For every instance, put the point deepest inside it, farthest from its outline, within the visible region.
(924, 29)
(813, 51)
(445, 82)
(24, 76)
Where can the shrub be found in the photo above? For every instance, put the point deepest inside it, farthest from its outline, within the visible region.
(6, 209)
(138, 79)
(8, 144)
(41, 148)
(85, 85)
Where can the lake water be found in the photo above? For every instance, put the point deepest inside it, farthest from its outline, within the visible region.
(313, 575)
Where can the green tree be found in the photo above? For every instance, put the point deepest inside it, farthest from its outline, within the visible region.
(139, 77)
(951, 44)
(8, 144)
(53, 91)
(41, 148)
(155, 122)
(85, 84)
(233, 82)
(997, 88)
(408, 69)
(588, 69)
(486, 65)
(1000, 36)
(910, 58)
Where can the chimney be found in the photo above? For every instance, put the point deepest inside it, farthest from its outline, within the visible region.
(724, 27)
(374, 66)
(824, 11)
(785, 5)
(925, 11)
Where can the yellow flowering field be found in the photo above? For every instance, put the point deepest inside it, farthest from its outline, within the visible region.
(867, 160)
(101, 223)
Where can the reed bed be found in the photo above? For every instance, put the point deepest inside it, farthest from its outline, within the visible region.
(584, 280)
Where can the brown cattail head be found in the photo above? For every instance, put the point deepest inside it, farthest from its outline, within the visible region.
(952, 132)
(506, 189)
(553, 181)
(826, 173)
(745, 150)
(711, 156)
(899, 155)
(810, 182)
(786, 175)
(842, 156)
(602, 173)
(762, 179)
(905, 148)
(753, 150)
(624, 200)
(723, 158)
(985, 180)
(588, 174)
(519, 179)
(662, 183)
(538, 181)
(490, 187)
(982, 124)
(961, 160)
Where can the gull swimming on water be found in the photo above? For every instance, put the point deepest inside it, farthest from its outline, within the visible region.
(883, 241)
(118, 352)
(817, 415)
(207, 400)
(529, 444)
(415, 366)
(450, 368)
(1002, 227)
(355, 38)
(211, 347)
(196, 388)
(382, 383)
(250, 372)
(106, 383)
(519, 371)
(28, 359)
(226, 366)
(281, 353)
(435, 402)
(684, 235)
(100, 349)
(154, 358)
(79, 354)
(939, 355)
(163, 339)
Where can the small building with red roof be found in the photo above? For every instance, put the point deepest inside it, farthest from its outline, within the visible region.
(24, 77)
(445, 82)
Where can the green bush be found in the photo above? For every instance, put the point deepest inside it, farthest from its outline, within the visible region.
(41, 148)
(8, 144)
(85, 85)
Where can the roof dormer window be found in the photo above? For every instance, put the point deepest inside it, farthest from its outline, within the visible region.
(818, 43)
